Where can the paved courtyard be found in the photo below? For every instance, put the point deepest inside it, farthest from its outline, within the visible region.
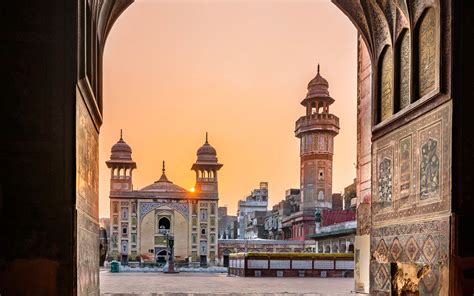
(218, 283)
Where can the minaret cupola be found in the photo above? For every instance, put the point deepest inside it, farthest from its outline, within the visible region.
(206, 167)
(121, 166)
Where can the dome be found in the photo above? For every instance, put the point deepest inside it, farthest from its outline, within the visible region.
(206, 149)
(121, 150)
(318, 87)
(206, 152)
(163, 184)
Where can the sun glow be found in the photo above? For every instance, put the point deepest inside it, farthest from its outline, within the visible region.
(192, 189)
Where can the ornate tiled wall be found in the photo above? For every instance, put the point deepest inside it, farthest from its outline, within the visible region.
(87, 201)
(424, 242)
(411, 199)
(364, 141)
(412, 169)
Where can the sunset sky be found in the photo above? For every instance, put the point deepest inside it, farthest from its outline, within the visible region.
(237, 69)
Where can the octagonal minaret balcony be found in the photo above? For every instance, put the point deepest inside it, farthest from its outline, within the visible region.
(317, 102)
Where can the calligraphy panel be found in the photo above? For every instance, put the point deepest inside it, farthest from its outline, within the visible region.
(404, 70)
(386, 85)
(427, 53)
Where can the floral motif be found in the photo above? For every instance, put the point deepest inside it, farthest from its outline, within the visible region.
(429, 169)
(385, 180)
(146, 207)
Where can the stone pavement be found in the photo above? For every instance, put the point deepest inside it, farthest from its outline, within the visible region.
(118, 284)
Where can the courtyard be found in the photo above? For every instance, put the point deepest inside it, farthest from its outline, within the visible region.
(218, 283)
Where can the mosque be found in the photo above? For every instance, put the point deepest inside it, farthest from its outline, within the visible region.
(142, 220)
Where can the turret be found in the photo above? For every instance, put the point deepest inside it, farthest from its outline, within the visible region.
(121, 166)
(206, 167)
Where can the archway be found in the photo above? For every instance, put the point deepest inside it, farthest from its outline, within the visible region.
(351, 248)
(162, 257)
(225, 258)
(343, 248)
(61, 133)
(164, 224)
(385, 102)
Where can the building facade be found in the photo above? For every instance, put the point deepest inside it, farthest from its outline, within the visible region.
(229, 246)
(256, 225)
(335, 231)
(225, 223)
(257, 201)
(274, 218)
(349, 196)
(143, 220)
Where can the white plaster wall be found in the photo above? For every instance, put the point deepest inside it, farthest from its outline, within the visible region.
(181, 236)
(361, 272)
(147, 232)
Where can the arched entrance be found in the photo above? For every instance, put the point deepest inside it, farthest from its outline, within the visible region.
(162, 256)
(49, 150)
(164, 224)
(225, 257)
(351, 248)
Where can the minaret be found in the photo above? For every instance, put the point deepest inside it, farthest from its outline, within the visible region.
(121, 166)
(206, 167)
(316, 131)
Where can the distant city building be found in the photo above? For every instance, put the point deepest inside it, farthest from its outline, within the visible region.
(335, 231)
(337, 203)
(257, 201)
(142, 219)
(349, 197)
(274, 218)
(225, 223)
(232, 231)
(256, 225)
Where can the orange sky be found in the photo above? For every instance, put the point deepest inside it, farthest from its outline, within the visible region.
(237, 69)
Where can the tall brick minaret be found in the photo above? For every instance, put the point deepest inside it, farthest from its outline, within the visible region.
(316, 131)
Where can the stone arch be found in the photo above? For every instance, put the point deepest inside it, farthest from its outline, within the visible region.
(342, 249)
(425, 55)
(402, 79)
(360, 15)
(327, 249)
(104, 15)
(162, 256)
(385, 84)
(350, 249)
(164, 223)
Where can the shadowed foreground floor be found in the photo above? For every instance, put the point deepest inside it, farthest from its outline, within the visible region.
(214, 283)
